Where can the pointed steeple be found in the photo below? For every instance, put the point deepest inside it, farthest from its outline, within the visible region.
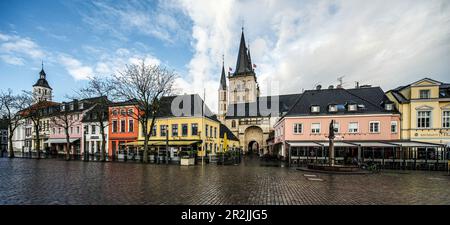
(243, 65)
(42, 81)
(223, 81)
(250, 65)
(42, 73)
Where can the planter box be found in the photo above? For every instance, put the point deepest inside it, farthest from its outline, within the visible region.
(187, 161)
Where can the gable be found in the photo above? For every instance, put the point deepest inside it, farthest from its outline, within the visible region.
(426, 82)
(424, 107)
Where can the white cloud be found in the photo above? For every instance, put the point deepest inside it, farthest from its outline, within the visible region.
(12, 60)
(15, 48)
(302, 43)
(109, 62)
(75, 68)
(155, 19)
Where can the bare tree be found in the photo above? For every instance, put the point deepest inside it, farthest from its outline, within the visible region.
(10, 106)
(37, 108)
(146, 84)
(97, 92)
(64, 119)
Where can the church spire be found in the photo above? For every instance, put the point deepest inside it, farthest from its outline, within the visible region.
(243, 64)
(42, 73)
(223, 81)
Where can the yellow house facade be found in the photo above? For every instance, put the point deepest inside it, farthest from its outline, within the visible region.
(425, 110)
(199, 130)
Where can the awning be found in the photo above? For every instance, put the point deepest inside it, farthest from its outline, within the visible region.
(374, 144)
(304, 144)
(60, 140)
(415, 144)
(337, 144)
(162, 143)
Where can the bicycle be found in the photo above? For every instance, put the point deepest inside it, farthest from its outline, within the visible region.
(372, 167)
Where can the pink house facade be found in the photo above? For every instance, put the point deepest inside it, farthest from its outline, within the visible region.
(363, 117)
(381, 127)
(57, 138)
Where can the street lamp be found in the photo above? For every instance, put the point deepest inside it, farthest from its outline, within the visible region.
(86, 154)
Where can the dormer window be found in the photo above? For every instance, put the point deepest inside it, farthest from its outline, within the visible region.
(332, 108)
(388, 106)
(63, 107)
(352, 107)
(71, 106)
(424, 94)
(315, 109)
(81, 105)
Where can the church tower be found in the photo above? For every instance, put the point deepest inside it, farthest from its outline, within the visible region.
(243, 85)
(41, 90)
(222, 107)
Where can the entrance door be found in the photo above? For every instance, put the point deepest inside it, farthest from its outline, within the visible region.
(253, 148)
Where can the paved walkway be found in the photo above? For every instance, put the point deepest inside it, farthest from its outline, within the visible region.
(29, 181)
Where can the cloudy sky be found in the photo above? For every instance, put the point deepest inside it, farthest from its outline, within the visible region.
(294, 44)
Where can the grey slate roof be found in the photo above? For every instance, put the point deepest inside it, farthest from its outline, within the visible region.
(195, 107)
(444, 91)
(243, 63)
(369, 100)
(223, 80)
(42, 82)
(252, 109)
(230, 136)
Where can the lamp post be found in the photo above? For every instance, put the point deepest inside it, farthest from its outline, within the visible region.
(331, 144)
(167, 149)
(86, 154)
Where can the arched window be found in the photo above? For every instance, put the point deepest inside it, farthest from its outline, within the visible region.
(233, 123)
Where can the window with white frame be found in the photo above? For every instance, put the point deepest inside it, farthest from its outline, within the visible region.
(446, 119)
(130, 125)
(298, 128)
(332, 108)
(114, 126)
(315, 128)
(315, 108)
(423, 119)
(337, 127)
(352, 107)
(374, 127)
(353, 127)
(394, 125)
(122, 126)
(424, 94)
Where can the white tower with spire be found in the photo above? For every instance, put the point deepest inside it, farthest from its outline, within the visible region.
(42, 90)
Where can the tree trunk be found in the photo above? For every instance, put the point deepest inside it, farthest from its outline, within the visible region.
(10, 147)
(38, 141)
(145, 148)
(67, 145)
(103, 151)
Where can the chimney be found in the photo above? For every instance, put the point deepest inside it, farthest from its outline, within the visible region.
(318, 87)
(339, 86)
(357, 84)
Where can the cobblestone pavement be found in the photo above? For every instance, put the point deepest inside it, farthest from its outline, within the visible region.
(30, 181)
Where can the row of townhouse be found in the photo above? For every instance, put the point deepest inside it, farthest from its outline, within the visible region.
(52, 130)
(198, 131)
(195, 128)
(403, 127)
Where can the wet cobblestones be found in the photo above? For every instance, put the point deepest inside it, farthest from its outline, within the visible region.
(26, 181)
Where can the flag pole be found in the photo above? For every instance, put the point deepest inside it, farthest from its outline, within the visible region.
(203, 124)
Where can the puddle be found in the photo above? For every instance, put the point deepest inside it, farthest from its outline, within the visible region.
(309, 175)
